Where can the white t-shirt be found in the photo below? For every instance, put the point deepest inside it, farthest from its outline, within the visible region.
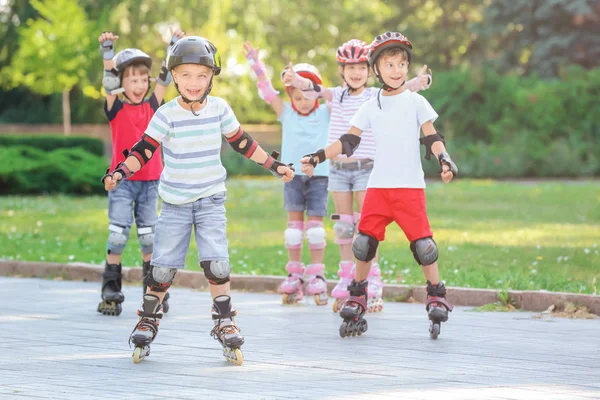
(396, 127)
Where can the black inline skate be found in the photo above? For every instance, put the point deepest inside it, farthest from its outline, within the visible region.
(225, 330)
(437, 307)
(112, 297)
(354, 309)
(147, 327)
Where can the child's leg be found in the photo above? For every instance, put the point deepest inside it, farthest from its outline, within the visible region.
(344, 228)
(410, 212)
(120, 217)
(294, 235)
(210, 226)
(171, 243)
(120, 208)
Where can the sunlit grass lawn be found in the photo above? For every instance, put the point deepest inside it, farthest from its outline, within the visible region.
(490, 234)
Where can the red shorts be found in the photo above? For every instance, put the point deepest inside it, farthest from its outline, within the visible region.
(407, 207)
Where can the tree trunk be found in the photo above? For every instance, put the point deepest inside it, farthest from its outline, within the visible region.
(66, 108)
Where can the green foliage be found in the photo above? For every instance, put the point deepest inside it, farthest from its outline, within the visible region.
(28, 170)
(49, 143)
(508, 126)
(541, 36)
(53, 56)
(236, 164)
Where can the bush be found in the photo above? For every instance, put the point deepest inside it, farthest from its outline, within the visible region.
(28, 170)
(236, 164)
(509, 126)
(50, 143)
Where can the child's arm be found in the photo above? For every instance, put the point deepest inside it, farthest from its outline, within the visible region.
(435, 144)
(346, 144)
(244, 144)
(140, 154)
(421, 82)
(310, 89)
(265, 87)
(164, 77)
(110, 80)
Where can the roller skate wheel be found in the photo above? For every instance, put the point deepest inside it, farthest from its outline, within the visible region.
(337, 305)
(110, 308)
(285, 299)
(321, 299)
(137, 355)
(233, 356)
(344, 329)
(434, 330)
(165, 306)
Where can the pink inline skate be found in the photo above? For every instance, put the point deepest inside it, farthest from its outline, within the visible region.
(340, 291)
(292, 287)
(375, 292)
(316, 285)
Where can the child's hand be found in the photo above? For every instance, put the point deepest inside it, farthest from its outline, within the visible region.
(249, 51)
(288, 75)
(447, 175)
(308, 169)
(176, 34)
(286, 172)
(423, 77)
(111, 181)
(107, 36)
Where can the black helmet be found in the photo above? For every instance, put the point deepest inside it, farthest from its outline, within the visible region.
(194, 50)
(126, 57)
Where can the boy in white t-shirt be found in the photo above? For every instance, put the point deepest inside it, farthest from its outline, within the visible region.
(396, 186)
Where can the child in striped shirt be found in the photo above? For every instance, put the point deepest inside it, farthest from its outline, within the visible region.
(192, 187)
(348, 176)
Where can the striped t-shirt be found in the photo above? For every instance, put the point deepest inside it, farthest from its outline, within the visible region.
(341, 114)
(192, 149)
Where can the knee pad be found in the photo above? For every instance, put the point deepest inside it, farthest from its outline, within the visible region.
(146, 236)
(216, 271)
(159, 279)
(315, 235)
(344, 229)
(424, 250)
(294, 234)
(364, 247)
(117, 237)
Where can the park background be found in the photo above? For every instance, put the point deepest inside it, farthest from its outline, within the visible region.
(516, 84)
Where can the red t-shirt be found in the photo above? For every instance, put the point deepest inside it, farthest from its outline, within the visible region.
(128, 123)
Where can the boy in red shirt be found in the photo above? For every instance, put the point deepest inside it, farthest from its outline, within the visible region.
(129, 73)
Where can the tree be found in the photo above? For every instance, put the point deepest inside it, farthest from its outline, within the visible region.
(53, 56)
(542, 36)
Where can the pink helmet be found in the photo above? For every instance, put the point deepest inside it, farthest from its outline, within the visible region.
(353, 52)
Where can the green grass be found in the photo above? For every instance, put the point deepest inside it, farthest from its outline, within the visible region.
(490, 234)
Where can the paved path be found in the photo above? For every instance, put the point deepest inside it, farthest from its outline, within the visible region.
(53, 344)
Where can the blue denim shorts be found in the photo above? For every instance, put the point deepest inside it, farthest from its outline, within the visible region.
(306, 194)
(349, 177)
(131, 199)
(206, 217)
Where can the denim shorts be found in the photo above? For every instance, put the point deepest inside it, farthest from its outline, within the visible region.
(306, 194)
(132, 199)
(174, 229)
(349, 180)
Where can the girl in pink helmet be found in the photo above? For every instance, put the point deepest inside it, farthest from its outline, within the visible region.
(304, 122)
(348, 176)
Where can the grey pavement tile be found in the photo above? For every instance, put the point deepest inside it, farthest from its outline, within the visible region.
(54, 345)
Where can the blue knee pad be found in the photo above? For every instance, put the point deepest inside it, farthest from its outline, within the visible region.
(117, 239)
